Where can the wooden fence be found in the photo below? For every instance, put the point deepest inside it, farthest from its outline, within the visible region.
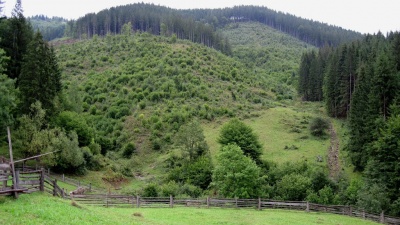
(110, 200)
(38, 180)
(31, 181)
(63, 178)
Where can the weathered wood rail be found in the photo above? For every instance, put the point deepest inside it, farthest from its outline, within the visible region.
(31, 181)
(110, 200)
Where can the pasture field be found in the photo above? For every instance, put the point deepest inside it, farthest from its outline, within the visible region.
(38, 208)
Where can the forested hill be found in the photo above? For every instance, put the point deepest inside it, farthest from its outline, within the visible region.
(51, 28)
(201, 25)
(312, 32)
(157, 20)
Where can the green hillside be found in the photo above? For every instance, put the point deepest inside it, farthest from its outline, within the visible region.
(274, 54)
(141, 88)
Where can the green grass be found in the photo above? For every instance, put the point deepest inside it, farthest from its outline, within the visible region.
(283, 132)
(42, 209)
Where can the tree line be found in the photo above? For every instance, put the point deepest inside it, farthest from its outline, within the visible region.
(199, 25)
(32, 97)
(309, 31)
(149, 18)
(50, 28)
(360, 81)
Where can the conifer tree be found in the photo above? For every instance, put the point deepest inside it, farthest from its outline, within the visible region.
(40, 75)
(386, 83)
(21, 34)
(360, 121)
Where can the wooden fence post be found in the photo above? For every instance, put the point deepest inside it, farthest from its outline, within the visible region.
(63, 177)
(16, 179)
(382, 219)
(259, 203)
(236, 202)
(107, 199)
(48, 171)
(171, 201)
(307, 207)
(41, 187)
(54, 187)
(350, 211)
(208, 201)
(63, 193)
(363, 214)
(90, 187)
(138, 201)
(12, 161)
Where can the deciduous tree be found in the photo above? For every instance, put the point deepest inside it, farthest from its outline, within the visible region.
(237, 175)
(240, 134)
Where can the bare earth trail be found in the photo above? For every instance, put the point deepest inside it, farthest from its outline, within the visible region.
(333, 154)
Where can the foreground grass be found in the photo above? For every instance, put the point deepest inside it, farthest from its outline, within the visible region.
(41, 209)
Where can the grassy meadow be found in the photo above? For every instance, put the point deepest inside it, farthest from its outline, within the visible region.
(38, 208)
(283, 132)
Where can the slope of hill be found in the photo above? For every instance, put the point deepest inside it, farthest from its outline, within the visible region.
(141, 88)
(272, 53)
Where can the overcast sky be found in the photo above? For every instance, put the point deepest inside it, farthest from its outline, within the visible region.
(365, 16)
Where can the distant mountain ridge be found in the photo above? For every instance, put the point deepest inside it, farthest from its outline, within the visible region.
(312, 32)
(203, 25)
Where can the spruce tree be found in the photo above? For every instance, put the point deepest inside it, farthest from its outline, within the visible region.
(386, 83)
(18, 37)
(361, 121)
(40, 76)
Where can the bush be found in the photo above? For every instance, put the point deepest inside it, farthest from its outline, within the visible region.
(94, 148)
(72, 121)
(318, 126)
(293, 187)
(197, 173)
(128, 150)
(324, 196)
(170, 188)
(191, 190)
(151, 190)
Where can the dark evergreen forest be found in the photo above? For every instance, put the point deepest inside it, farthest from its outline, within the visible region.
(198, 25)
(312, 32)
(51, 28)
(360, 81)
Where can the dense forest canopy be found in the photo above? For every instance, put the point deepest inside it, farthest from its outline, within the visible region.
(360, 81)
(312, 32)
(149, 18)
(197, 25)
(51, 28)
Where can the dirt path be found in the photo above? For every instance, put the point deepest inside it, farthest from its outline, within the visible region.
(333, 154)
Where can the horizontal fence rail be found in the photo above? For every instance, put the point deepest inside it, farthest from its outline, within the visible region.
(37, 180)
(110, 200)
